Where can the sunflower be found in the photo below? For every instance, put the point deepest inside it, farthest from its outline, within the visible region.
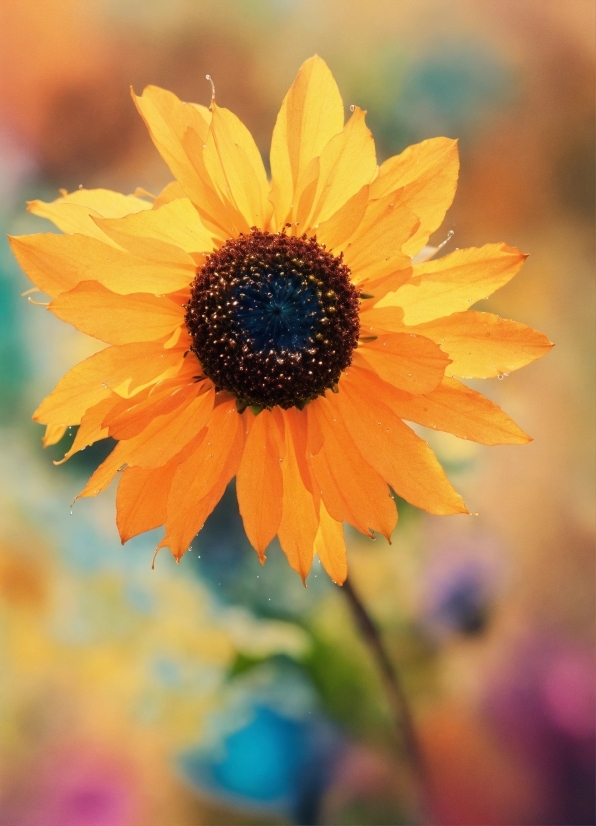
(277, 332)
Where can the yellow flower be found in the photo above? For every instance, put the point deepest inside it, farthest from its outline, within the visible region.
(277, 332)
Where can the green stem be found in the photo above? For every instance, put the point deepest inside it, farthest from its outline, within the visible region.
(395, 693)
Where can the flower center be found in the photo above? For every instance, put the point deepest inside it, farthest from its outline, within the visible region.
(273, 319)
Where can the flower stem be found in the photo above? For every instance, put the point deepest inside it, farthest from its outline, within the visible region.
(395, 693)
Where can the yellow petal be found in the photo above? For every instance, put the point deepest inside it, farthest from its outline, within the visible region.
(455, 408)
(311, 114)
(168, 119)
(73, 211)
(57, 263)
(347, 163)
(53, 434)
(180, 131)
(93, 379)
(236, 167)
(482, 345)
(375, 249)
(455, 282)
(171, 192)
(410, 362)
(117, 319)
(426, 174)
(335, 231)
(176, 224)
(403, 459)
(330, 547)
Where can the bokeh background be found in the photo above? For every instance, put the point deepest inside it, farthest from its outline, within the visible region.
(220, 692)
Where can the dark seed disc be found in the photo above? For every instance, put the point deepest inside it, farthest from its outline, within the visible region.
(273, 318)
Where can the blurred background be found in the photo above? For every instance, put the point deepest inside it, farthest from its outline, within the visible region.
(220, 692)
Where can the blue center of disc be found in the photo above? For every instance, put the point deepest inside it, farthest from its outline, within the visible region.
(278, 312)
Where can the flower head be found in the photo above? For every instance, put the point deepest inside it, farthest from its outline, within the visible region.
(277, 332)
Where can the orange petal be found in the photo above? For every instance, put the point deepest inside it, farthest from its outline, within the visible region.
(175, 223)
(397, 271)
(57, 263)
(53, 434)
(426, 175)
(330, 547)
(311, 114)
(300, 516)
(455, 282)
(91, 429)
(131, 416)
(235, 166)
(167, 434)
(104, 474)
(201, 479)
(482, 345)
(141, 498)
(454, 408)
(347, 163)
(73, 211)
(351, 489)
(259, 480)
(413, 363)
(93, 379)
(117, 319)
(376, 321)
(405, 461)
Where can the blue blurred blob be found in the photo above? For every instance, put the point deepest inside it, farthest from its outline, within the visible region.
(275, 765)
(167, 671)
(452, 90)
(14, 369)
(463, 605)
(459, 585)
